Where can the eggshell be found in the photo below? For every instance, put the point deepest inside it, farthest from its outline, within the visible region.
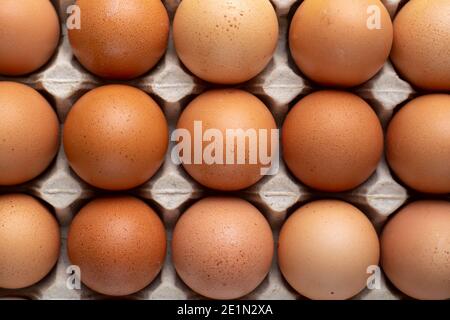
(120, 39)
(222, 247)
(421, 50)
(115, 137)
(29, 133)
(222, 110)
(418, 143)
(332, 44)
(29, 35)
(225, 41)
(325, 249)
(332, 140)
(29, 241)
(119, 244)
(415, 247)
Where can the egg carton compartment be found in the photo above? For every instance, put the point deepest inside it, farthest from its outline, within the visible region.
(63, 81)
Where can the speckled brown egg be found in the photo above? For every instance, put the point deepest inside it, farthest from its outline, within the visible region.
(29, 133)
(115, 137)
(332, 140)
(120, 39)
(418, 143)
(29, 241)
(119, 244)
(326, 248)
(341, 42)
(222, 110)
(225, 41)
(415, 250)
(222, 247)
(29, 34)
(421, 50)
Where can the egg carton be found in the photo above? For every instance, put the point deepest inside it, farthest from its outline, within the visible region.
(171, 191)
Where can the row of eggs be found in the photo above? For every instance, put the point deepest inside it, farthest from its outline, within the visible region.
(116, 138)
(222, 247)
(331, 141)
(333, 42)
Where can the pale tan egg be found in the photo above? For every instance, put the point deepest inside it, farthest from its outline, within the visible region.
(418, 144)
(29, 35)
(29, 241)
(332, 141)
(120, 39)
(29, 133)
(341, 42)
(415, 250)
(327, 249)
(116, 137)
(222, 248)
(119, 243)
(225, 41)
(219, 112)
(421, 49)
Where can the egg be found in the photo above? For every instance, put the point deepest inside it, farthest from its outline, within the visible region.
(222, 248)
(340, 42)
(29, 35)
(415, 250)
(118, 243)
(418, 144)
(225, 41)
(120, 39)
(225, 110)
(325, 249)
(332, 141)
(29, 133)
(29, 241)
(115, 137)
(421, 50)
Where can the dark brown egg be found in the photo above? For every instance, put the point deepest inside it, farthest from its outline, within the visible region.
(120, 39)
(116, 137)
(118, 243)
(332, 140)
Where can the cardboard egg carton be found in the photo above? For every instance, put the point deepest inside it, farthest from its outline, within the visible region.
(63, 81)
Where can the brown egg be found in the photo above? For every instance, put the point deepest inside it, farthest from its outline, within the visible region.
(118, 243)
(415, 250)
(418, 143)
(225, 41)
(421, 50)
(222, 248)
(29, 241)
(29, 133)
(224, 110)
(325, 249)
(120, 39)
(29, 35)
(338, 42)
(332, 140)
(115, 137)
